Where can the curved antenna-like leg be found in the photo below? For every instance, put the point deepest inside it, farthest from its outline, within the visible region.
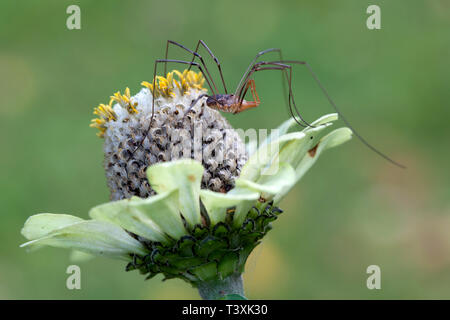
(335, 107)
(276, 65)
(250, 66)
(250, 84)
(201, 42)
(194, 54)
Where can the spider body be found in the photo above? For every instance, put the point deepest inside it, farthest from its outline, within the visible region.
(230, 103)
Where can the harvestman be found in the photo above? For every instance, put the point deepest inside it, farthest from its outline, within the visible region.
(235, 102)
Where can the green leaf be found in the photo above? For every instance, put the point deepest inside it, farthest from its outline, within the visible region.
(184, 175)
(205, 272)
(217, 203)
(93, 237)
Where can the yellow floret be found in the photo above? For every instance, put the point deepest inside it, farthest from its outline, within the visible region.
(165, 87)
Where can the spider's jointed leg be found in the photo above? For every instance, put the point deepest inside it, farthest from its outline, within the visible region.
(278, 65)
(201, 42)
(248, 104)
(194, 55)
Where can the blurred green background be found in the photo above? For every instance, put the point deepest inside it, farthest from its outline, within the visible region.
(352, 210)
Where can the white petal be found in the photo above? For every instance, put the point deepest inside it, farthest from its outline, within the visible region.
(261, 160)
(295, 150)
(268, 186)
(40, 225)
(286, 126)
(332, 139)
(135, 221)
(323, 120)
(161, 209)
(184, 175)
(94, 237)
(217, 203)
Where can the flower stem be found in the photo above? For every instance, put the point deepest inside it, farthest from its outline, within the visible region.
(217, 289)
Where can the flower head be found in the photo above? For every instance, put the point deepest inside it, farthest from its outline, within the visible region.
(130, 147)
(185, 231)
(183, 217)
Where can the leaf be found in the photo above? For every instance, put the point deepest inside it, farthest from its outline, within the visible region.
(184, 175)
(90, 236)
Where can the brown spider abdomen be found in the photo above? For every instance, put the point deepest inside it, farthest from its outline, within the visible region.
(222, 102)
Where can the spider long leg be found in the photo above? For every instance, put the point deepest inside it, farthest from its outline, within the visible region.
(250, 84)
(276, 65)
(335, 107)
(201, 42)
(250, 66)
(194, 54)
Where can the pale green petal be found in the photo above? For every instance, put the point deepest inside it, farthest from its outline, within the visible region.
(40, 225)
(163, 210)
(332, 139)
(261, 160)
(244, 206)
(267, 185)
(216, 203)
(251, 146)
(270, 185)
(130, 219)
(94, 237)
(286, 126)
(184, 175)
(294, 151)
(322, 120)
(80, 256)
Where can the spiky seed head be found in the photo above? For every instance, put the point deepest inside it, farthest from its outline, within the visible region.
(202, 134)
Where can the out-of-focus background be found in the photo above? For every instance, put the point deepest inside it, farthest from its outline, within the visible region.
(351, 210)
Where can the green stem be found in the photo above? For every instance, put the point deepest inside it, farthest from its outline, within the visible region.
(217, 289)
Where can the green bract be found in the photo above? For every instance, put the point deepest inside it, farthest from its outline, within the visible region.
(185, 231)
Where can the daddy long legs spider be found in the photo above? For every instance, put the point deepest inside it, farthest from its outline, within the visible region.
(235, 102)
